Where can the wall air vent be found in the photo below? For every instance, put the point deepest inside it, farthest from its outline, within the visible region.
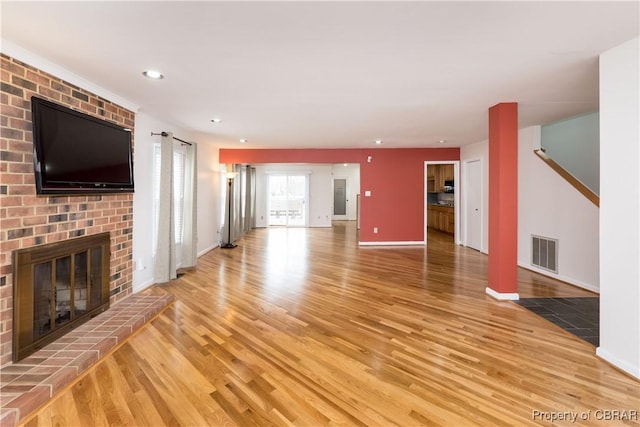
(544, 253)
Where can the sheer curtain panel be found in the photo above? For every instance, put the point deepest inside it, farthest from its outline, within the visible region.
(189, 229)
(165, 262)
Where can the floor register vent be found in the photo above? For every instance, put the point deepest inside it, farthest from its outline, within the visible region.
(544, 253)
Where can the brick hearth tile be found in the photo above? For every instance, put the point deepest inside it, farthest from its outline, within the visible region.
(58, 345)
(70, 354)
(16, 369)
(123, 333)
(85, 360)
(99, 334)
(29, 379)
(45, 352)
(63, 340)
(91, 340)
(33, 360)
(80, 346)
(105, 345)
(27, 402)
(16, 388)
(137, 322)
(105, 328)
(8, 417)
(7, 378)
(118, 320)
(7, 397)
(61, 378)
(58, 361)
(47, 370)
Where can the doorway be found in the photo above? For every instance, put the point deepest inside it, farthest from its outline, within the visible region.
(442, 199)
(286, 204)
(340, 199)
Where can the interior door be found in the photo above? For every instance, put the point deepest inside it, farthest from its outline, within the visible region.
(474, 205)
(340, 199)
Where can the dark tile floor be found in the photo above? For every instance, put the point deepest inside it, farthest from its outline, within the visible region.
(579, 316)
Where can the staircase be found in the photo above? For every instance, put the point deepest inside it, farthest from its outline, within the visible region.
(593, 197)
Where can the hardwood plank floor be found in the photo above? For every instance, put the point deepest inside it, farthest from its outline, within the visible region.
(303, 327)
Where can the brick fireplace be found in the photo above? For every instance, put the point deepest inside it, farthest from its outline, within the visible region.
(26, 219)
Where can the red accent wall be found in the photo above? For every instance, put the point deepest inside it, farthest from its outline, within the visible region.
(395, 178)
(503, 197)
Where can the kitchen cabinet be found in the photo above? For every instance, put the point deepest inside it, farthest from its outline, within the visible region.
(441, 218)
(447, 173)
(431, 178)
(437, 175)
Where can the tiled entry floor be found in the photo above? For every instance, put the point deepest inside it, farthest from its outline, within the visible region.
(579, 316)
(28, 384)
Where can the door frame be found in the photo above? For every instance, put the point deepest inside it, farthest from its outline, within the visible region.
(456, 197)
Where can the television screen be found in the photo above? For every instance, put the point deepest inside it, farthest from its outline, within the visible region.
(75, 153)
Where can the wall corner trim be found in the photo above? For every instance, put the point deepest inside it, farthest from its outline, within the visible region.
(502, 296)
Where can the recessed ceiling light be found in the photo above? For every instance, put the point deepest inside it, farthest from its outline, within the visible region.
(345, 165)
(378, 141)
(153, 74)
(243, 140)
(216, 120)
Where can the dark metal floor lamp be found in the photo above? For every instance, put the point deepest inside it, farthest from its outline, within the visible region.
(229, 244)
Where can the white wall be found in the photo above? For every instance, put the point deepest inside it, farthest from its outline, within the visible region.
(320, 191)
(352, 173)
(208, 195)
(468, 153)
(549, 206)
(620, 207)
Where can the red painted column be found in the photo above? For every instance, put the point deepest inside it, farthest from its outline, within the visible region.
(503, 201)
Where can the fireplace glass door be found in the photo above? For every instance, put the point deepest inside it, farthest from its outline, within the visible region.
(58, 288)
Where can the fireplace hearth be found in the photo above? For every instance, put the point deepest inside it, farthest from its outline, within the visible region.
(57, 287)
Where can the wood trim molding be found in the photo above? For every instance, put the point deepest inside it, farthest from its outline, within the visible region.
(586, 192)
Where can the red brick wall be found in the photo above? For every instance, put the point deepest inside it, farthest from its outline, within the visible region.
(27, 219)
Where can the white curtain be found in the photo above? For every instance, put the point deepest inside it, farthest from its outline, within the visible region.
(239, 202)
(165, 263)
(189, 229)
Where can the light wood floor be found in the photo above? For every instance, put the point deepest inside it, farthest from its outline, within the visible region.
(303, 327)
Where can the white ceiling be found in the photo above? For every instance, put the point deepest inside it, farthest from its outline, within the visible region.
(332, 74)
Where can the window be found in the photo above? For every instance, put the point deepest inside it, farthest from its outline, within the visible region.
(179, 158)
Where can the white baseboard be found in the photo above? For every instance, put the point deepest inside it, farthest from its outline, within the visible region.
(204, 251)
(574, 282)
(142, 286)
(405, 243)
(502, 296)
(633, 370)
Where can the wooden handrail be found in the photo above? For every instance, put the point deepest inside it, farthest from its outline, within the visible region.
(593, 197)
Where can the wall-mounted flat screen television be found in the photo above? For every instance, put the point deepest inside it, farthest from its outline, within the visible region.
(74, 153)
